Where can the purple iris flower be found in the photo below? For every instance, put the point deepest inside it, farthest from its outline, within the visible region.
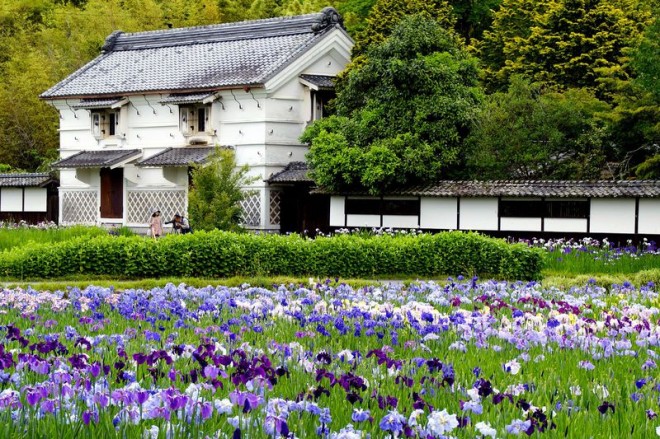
(360, 415)
(518, 426)
(393, 421)
(244, 399)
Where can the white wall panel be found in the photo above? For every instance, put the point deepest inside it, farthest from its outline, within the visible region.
(35, 199)
(577, 225)
(401, 221)
(337, 210)
(612, 215)
(520, 224)
(649, 216)
(362, 220)
(11, 199)
(438, 213)
(478, 214)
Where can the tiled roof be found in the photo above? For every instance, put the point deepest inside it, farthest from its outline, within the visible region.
(185, 98)
(321, 82)
(293, 172)
(534, 188)
(25, 180)
(97, 159)
(177, 157)
(197, 58)
(97, 103)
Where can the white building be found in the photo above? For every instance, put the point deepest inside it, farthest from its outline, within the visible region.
(28, 197)
(564, 207)
(133, 119)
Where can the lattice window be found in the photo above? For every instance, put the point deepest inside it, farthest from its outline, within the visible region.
(79, 207)
(251, 206)
(275, 207)
(141, 204)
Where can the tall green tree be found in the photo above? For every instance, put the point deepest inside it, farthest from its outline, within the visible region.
(473, 17)
(563, 43)
(512, 24)
(636, 118)
(214, 201)
(385, 15)
(403, 116)
(646, 58)
(531, 134)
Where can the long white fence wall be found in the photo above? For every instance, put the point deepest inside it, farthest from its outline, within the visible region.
(566, 225)
(606, 215)
(11, 199)
(649, 216)
(521, 224)
(478, 213)
(612, 215)
(438, 213)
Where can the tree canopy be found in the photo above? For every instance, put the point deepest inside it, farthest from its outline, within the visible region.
(403, 116)
(530, 133)
(563, 43)
(604, 49)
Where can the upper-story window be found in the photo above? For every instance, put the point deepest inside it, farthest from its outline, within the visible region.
(195, 119)
(320, 99)
(105, 123)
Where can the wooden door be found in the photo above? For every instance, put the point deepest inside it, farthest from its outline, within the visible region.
(112, 193)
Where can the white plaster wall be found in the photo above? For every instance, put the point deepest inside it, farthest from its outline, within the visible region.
(438, 213)
(11, 199)
(649, 216)
(577, 225)
(362, 220)
(337, 211)
(35, 199)
(401, 221)
(285, 107)
(612, 215)
(520, 224)
(281, 155)
(329, 64)
(478, 214)
(243, 132)
(176, 175)
(75, 128)
(82, 178)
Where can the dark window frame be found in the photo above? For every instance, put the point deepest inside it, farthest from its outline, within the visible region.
(544, 208)
(197, 120)
(567, 209)
(383, 206)
(511, 208)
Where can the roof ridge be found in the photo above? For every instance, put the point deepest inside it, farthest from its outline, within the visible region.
(25, 174)
(235, 31)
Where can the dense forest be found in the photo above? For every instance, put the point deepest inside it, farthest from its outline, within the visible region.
(558, 89)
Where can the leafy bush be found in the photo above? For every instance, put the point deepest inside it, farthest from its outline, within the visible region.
(18, 235)
(214, 201)
(223, 254)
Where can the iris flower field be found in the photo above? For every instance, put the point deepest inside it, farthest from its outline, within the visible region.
(464, 358)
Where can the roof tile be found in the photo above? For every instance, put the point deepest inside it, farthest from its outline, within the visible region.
(532, 188)
(197, 58)
(293, 172)
(177, 157)
(96, 159)
(25, 180)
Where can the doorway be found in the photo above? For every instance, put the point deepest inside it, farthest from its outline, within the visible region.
(112, 193)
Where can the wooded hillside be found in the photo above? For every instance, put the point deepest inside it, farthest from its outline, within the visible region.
(562, 81)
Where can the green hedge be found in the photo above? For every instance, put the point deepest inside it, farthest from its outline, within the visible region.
(223, 254)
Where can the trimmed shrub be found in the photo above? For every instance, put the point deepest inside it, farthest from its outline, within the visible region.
(223, 254)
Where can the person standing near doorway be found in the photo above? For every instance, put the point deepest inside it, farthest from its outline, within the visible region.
(156, 225)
